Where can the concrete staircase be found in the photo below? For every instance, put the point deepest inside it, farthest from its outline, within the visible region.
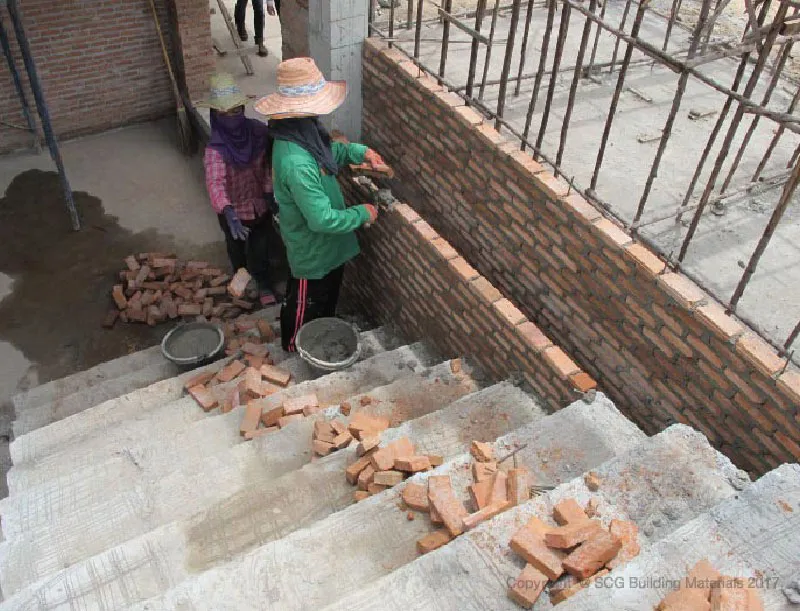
(125, 495)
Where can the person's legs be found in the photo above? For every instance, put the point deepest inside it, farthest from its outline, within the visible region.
(238, 16)
(307, 300)
(236, 248)
(258, 21)
(333, 283)
(257, 252)
(278, 7)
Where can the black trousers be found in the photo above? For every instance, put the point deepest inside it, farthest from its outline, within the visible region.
(253, 253)
(307, 300)
(258, 18)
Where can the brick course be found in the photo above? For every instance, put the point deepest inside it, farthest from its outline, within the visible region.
(101, 65)
(658, 344)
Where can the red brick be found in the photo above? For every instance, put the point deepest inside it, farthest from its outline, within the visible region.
(463, 269)
(239, 282)
(580, 207)
(759, 354)
(470, 116)
(685, 292)
(251, 418)
(509, 312)
(388, 478)
(789, 384)
(285, 421)
(568, 512)
(276, 375)
(365, 477)
(692, 597)
(296, 405)
(482, 452)
(519, 482)
(561, 363)
(533, 336)
(582, 382)
(527, 587)
(352, 471)
(628, 535)
(260, 432)
(322, 448)
(486, 513)
(433, 541)
(271, 417)
(569, 585)
(741, 598)
(412, 464)
(232, 370)
(571, 535)
(483, 471)
(204, 397)
(592, 555)
(554, 188)
(415, 496)
(199, 379)
(447, 505)
(486, 290)
(645, 259)
(529, 543)
(426, 231)
(444, 249)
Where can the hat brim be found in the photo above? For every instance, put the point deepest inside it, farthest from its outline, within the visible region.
(325, 101)
(225, 103)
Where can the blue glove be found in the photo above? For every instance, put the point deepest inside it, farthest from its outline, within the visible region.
(238, 231)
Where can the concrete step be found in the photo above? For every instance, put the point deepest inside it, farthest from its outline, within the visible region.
(661, 484)
(755, 534)
(123, 424)
(98, 420)
(345, 551)
(58, 399)
(263, 510)
(124, 497)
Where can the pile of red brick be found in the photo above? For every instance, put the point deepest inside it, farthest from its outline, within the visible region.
(705, 589)
(382, 466)
(492, 492)
(571, 553)
(329, 437)
(155, 287)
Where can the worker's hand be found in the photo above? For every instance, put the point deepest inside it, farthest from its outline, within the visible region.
(238, 231)
(373, 213)
(374, 159)
(271, 8)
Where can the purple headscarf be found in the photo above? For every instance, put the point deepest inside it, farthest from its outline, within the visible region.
(238, 139)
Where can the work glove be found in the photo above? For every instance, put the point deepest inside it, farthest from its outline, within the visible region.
(271, 8)
(374, 159)
(238, 231)
(373, 214)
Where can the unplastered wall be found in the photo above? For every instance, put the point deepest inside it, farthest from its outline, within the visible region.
(101, 64)
(409, 276)
(657, 343)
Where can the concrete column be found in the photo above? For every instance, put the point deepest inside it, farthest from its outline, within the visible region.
(336, 32)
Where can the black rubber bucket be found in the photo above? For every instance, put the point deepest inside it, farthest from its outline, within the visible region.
(329, 344)
(193, 344)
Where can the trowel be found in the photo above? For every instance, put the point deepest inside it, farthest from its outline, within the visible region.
(372, 178)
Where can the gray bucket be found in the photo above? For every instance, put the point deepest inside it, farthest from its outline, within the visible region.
(193, 344)
(329, 344)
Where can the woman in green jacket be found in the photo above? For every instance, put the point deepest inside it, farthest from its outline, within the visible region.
(317, 228)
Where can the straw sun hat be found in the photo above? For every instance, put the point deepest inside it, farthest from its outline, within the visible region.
(225, 93)
(302, 92)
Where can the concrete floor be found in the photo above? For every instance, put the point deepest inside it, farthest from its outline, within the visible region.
(723, 244)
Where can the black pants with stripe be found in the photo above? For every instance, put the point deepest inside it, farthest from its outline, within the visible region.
(307, 300)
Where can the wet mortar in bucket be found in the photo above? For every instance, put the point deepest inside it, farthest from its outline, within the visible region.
(328, 341)
(196, 342)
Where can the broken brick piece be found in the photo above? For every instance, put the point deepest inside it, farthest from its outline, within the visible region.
(230, 371)
(365, 477)
(275, 375)
(479, 493)
(483, 452)
(736, 598)
(383, 459)
(416, 497)
(388, 478)
(529, 543)
(324, 431)
(701, 576)
(345, 408)
(628, 534)
(271, 417)
(434, 515)
(252, 379)
(592, 555)
(343, 440)
(118, 295)
(298, 404)
(592, 481)
(352, 472)
(564, 537)
(204, 397)
(198, 380)
(568, 512)
(455, 365)
(498, 492)
(519, 489)
(447, 505)
(483, 470)
(527, 587)
(239, 282)
(360, 495)
(256, 362)
(231, 400)
(433, 541)
(252, 415)
(487, 512)
(412, 464)
(285, 421)
(339, 427)
(362, 425)
(265, 330)
(591, 508)
(570, 585)
(255, 349)
(219, 281)
(322, 448)
(132, 263)
(367, 444)
(374, 488)
(435, 460)
(190, 309)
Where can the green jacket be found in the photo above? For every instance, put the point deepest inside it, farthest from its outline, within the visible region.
(317, 228)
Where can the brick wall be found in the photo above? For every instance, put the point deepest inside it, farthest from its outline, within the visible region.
(660, 346)
(409, 276)
(101, 65)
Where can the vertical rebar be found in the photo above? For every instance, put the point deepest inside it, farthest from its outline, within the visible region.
(676, 8)
(712, 138)
(370, 17)
(792, 336)
(776, 77)
(391, 22)
(737, 117)
(622, 23)
(448, 6)
(23, 99)
(418, 30)
(573, 89)
(676, 105)
(795, 155)
(41, 106)
(769, 230)
(603, 5)
(637, 23)
(512, 31)
(563, 32)
(551, 16)
(524, 48)
(488, 59)
(410, 14)
(473, 55)
(775, 139)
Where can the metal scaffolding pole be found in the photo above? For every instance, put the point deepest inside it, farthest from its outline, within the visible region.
(12, 67)
(41, 105)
